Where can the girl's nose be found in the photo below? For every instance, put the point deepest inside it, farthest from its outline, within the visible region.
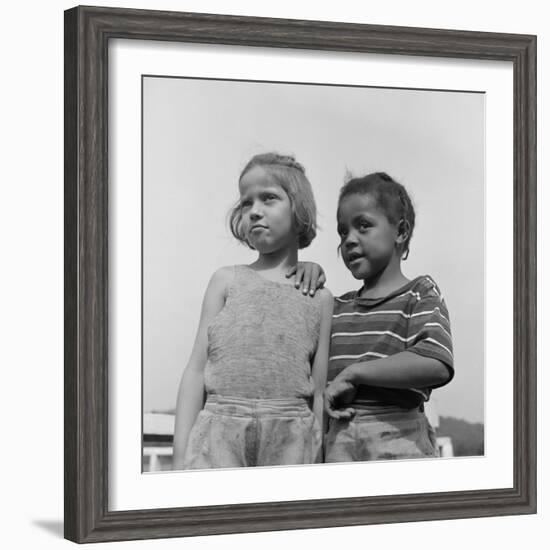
(256, 211)
(351, 240)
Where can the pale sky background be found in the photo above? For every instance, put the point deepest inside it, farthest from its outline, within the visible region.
(199, 134)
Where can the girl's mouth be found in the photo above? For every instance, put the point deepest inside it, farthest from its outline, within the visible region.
(257, 228)
(353, 257)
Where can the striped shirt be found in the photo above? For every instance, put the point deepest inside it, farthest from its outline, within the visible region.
(413, 318)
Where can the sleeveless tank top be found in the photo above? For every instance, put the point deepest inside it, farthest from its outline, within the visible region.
(261, 344)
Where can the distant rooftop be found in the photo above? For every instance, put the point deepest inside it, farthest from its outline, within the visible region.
(158, 424)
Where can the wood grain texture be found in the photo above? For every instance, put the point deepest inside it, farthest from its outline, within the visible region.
(70, 279)
(87, 32)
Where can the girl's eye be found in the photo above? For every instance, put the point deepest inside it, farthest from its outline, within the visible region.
(364, 225)
(245, 204)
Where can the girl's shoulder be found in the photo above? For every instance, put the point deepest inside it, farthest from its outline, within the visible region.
(426, 287)
(325, 297)
(325, 293)
(222, 279)
(347, 296)
(225, 273)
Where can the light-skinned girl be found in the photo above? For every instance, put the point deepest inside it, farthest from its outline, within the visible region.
(390, 340)
(252, 391)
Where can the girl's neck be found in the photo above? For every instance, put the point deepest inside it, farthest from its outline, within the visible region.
(279, 260)
(384, 283)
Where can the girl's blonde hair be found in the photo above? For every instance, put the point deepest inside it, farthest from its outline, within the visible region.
(291, 176)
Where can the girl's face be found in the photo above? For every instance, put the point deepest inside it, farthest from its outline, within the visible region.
(266, 212)
(367, 238)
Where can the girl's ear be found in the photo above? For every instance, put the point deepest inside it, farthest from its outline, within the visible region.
(403, 232)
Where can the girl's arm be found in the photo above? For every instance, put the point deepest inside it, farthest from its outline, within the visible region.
(191, 391)
(320, 362)
(426, 363)
(402, 370)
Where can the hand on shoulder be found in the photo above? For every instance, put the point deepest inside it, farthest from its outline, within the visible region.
(308, 276)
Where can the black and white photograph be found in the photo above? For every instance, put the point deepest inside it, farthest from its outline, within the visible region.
(313, 273)
(273, 275)
(300, 274)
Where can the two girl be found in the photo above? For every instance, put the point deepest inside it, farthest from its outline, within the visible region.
(252, 393)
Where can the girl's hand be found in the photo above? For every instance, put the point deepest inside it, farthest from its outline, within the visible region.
(309, 275)
(338, 394)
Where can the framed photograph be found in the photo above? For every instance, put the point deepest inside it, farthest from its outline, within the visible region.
(163, 112)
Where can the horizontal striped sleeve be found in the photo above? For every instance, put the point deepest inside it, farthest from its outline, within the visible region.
(430, 329)
(412, 318)
(364, 331)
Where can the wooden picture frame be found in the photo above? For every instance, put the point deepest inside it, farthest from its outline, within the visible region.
(87, 34)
